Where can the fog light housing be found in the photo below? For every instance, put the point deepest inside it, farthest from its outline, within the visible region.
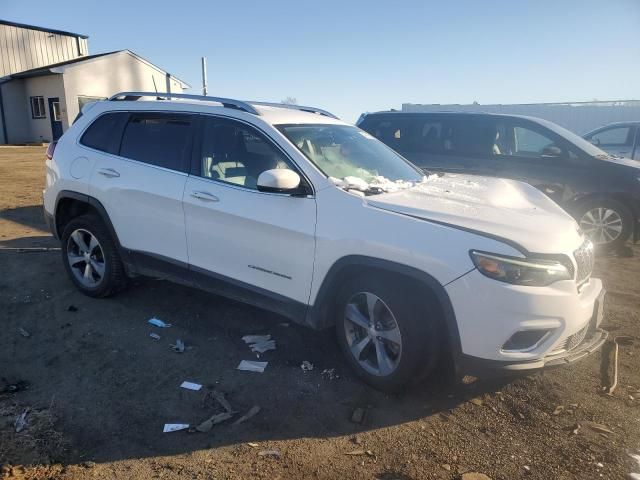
(525, 340)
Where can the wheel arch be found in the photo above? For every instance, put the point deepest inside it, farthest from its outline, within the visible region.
(621, 197)
(70, 205)
(321, 314)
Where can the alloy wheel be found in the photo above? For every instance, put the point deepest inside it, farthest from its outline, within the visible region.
(372, 333)
(86, 258)
(602, 225)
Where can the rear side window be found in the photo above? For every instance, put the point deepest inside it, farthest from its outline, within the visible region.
(105, 132)
(163, 140)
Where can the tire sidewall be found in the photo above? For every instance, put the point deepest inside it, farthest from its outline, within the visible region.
(90, 225)
(419, 329)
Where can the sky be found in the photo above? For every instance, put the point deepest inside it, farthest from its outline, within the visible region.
(356, 56)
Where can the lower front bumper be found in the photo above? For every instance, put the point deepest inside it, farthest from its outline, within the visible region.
(481, 367)
(50, 222)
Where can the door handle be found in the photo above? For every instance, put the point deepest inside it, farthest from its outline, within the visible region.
(205, 196)
(108, 172)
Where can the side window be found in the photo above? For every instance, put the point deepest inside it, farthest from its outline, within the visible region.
(236, 153)
(472, 136)
(391, 131)
(105, 132)
(517, 140)
(613, 137)
(163, 140)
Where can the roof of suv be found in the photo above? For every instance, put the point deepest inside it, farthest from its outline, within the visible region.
(272, 113)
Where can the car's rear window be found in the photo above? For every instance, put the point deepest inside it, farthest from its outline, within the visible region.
(105, 132)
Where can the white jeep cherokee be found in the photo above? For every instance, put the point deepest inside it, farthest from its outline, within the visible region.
(292, 210)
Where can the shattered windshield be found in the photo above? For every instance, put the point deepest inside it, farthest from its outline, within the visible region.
(352, 158)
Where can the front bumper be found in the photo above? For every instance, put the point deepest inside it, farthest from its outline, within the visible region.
(49, 220)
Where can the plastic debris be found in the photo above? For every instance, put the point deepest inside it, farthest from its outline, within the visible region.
(260, 343)
(21, 421)
(208, 424)
(191, 386)
(178, 347)
(252, 444)
(174, 427)
(269, 453)
(306, 366)
(155, 336)
(24, 333)
(253, 411)
(252, 366)
(156, 322)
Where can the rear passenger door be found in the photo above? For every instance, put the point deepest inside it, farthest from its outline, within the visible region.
(618, 140)
(139, 176)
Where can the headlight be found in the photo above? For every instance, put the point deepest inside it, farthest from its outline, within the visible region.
(532, 272)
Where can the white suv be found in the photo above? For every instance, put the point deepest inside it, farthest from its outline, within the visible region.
(292, 210)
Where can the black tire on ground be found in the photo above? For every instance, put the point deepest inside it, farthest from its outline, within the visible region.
(114, 278)
(605, 203)
(417, 319)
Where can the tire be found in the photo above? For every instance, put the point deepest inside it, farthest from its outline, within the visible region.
(607, 222)
(106, 275)
(397, 303)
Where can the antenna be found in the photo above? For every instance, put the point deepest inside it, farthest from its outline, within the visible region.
(204, 76)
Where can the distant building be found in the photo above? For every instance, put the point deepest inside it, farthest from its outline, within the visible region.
(579, 117)
(46, 76)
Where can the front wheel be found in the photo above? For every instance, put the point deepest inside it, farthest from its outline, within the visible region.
(386, 331)
(607, 223)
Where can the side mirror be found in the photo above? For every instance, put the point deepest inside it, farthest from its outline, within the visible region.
(279, 180)
(552, 151)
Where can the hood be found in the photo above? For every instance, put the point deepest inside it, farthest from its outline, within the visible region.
(508, 209)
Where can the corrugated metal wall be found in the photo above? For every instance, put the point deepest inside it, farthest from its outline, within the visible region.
(23, 49)
(580, 118)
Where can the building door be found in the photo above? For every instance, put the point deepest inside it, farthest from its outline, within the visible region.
(56, 120)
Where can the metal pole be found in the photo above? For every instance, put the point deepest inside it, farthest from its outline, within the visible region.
(168, 79)
(204, 76)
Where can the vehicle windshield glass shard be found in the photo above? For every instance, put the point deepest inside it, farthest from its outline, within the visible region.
(352, 158)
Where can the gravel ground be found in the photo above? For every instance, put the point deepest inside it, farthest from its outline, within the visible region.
(99, 389)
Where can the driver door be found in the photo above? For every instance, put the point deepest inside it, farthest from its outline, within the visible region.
(239, 236)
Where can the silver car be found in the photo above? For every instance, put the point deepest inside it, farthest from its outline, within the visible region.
(619, 139)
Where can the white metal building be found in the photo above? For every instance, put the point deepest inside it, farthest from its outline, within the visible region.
(579, 117)
(46, 76)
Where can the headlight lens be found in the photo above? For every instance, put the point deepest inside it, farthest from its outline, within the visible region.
(532, 272)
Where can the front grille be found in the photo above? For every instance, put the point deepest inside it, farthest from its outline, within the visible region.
(572, 341)
(584, 260)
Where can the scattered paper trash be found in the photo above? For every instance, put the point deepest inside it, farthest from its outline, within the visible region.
(253, 411)
(155, 336)
(24, 333)
(174, 427)
(158, 323)
(260, 343)
(208, 424)
(269, 453)
(306, 366)
(21, 421)
(191, 386)
(252, 366)
(178, 347)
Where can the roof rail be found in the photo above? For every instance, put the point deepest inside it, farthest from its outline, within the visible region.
(226, 102)
(302, 108)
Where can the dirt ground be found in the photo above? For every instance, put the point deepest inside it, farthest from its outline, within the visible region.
(98, 389)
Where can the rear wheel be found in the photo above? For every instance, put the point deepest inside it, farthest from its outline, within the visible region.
(386, 331)
(607, 223)
(91, 257)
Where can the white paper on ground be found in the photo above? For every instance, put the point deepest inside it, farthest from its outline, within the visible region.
(158, 323)
(191, 386)
(252, 366)
(174, 427)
